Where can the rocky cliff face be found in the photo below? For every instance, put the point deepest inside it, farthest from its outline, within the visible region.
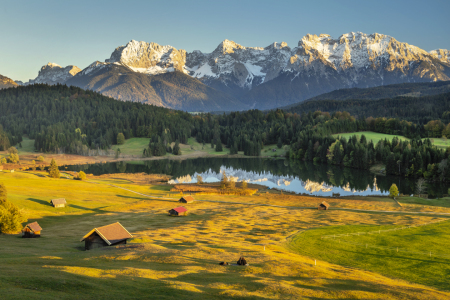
(442, 54)
(6, 82)
(52, 74)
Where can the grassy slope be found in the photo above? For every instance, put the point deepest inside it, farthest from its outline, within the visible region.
(374, 136)
(412, 261)
(177, 258)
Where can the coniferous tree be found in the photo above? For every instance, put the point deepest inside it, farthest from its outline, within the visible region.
(53, 169)
(3, 193)
(219, 146)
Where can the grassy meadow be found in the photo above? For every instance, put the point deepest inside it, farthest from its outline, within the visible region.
(178, 257)
(375, 137)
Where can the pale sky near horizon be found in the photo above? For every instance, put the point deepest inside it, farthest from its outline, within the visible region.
(81, 32)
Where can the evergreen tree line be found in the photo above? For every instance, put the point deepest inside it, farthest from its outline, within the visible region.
(415, 158)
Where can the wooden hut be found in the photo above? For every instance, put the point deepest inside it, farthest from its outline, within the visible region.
(60, 202)
(31, 230)
(186, 199)
(178, 211)
(109, 235)
(323, 206)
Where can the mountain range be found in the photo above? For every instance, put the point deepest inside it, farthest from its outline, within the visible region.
(234, 77)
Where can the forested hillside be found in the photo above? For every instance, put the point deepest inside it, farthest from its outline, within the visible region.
(71, 120)
(414, 89)
(416, 109)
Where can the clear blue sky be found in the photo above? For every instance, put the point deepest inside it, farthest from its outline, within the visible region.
(81, 32)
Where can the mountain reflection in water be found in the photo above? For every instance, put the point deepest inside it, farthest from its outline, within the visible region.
(299, 177)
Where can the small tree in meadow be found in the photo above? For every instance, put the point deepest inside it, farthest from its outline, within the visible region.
(224, 181)
(199, 179)
(244, 184)
(176, 148)
(53, 170)
(219, 146)
(120, 139)
(40, 158)
(3, 161)
(11, 217)
(393, 191)
(420, 186)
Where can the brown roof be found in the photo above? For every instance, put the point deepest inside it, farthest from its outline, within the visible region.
(325, 204)
(111, 234)
(59, 201)
(188, 198)
(34, 226)
(180, 209)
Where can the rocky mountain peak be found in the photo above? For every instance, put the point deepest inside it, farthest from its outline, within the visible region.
(441, 54)
(6, 82)
(52, 73)
(227, 46)
(149, 58)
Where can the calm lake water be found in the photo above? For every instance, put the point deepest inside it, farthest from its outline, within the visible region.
(298, 177)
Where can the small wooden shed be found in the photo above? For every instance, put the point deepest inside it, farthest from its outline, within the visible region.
(109, 235)
(60, 202)
(186, 199)
(31, 230)
(178, 211)
(323, 206)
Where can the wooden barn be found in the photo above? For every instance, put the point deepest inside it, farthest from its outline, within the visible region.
(60, 202)
(323, 206)
(109, 235)
(31, 230)
(186, 199)
(178, 211)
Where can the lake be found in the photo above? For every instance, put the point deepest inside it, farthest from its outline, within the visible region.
(287, 175)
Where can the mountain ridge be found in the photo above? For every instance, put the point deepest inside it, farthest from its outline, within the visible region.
(278, 75)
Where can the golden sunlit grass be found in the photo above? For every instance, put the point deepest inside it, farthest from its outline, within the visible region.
(179, 258)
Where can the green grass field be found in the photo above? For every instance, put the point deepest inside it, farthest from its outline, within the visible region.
(178, 258)
(374, 136)
(133, 146)
(377, 252)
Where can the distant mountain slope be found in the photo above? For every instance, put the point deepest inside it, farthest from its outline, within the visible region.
(175, 90)
(6, 82)
(385, 91)
(416, 109)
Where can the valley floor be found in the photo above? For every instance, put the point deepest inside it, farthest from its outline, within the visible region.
(178, 257)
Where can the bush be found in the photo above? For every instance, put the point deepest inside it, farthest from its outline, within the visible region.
(13, 158)
(11, 218)
(244, 184)
(40, 158)
(199, 179)
(3, 161)
(80, 176)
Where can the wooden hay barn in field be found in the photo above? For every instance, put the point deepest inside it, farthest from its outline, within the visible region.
(61, 202)
(186, 199)
(178, 211)
(109, 235)
(323, 206)
(31, 230)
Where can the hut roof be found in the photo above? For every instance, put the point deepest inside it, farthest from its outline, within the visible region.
(180, 209)
(325, 204)
(59, 201)
(111, 234)
(34, 226)
(188, 198)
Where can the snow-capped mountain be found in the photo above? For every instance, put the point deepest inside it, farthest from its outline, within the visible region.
(52, 74)
(275, 75)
